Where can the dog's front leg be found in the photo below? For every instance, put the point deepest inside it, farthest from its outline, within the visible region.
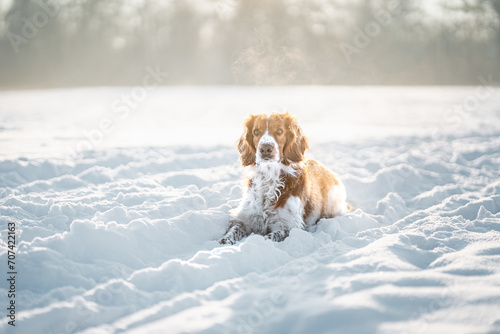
(284, 219)
(235, 232)
(278, 236)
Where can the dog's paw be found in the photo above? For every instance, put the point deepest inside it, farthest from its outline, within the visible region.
(277, 236)
(226, 241)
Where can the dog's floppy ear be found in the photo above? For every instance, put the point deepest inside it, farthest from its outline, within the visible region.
(296, 143)
(245, 143)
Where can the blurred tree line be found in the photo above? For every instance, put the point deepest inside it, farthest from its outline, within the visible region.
(47, 43)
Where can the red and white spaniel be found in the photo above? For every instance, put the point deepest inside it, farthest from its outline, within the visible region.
(284, 190)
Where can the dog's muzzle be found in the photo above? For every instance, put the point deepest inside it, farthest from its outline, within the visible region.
(266, 151)
(268, 148)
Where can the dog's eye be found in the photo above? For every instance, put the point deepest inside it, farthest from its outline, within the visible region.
(256, 132)
(280, 132)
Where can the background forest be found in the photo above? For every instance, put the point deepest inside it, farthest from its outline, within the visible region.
(49, 43)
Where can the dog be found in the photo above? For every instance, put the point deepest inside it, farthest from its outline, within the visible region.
(284, 189)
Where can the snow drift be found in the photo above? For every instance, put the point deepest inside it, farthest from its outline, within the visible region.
(120, 238)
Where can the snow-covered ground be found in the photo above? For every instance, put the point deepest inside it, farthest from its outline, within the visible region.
(118, 195)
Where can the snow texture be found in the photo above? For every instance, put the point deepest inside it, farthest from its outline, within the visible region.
(119, 237)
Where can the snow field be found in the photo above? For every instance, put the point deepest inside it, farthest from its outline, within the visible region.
(122, 240)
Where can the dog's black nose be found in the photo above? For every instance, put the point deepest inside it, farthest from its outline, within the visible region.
(266, 150)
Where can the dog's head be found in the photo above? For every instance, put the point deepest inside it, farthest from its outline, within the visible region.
(271, 138)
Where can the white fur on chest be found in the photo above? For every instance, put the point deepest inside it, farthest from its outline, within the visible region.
(257, 209)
